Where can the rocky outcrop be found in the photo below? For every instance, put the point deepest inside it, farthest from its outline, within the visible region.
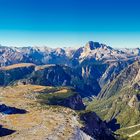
(74, 102)
(95, 127)
(66, 97)
(80, 135)
(92, 45)
(134, 101)
(136, 86)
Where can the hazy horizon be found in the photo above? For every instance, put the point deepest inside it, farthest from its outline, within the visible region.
(69, 23)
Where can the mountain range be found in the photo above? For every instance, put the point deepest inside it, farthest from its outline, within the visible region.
(101, 83)
(66, 56)
(89, 67)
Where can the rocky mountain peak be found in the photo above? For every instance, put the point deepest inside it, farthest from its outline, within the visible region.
(59, 51)
(92, 45)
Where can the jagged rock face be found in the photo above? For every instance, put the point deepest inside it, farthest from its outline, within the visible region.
(88, 79)
(52, 75)
(97, 75)
(112, 71)
(128, 77)
(91, 74)
(92, 45)
(56, 75)
(100, 52)
(15, 72)
(95, 127)
(74, 102)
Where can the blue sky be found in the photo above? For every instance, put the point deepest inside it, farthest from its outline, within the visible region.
(69, 23)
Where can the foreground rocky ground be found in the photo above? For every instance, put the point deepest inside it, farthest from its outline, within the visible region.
(37, 122)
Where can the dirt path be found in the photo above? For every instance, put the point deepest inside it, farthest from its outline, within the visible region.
(131, 126)
(134, 133)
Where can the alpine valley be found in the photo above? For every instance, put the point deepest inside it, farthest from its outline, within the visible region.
(89, 93)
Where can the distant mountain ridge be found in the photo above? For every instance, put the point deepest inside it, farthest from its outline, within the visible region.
(67, 56)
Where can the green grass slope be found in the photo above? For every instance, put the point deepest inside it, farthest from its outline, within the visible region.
(119, 102)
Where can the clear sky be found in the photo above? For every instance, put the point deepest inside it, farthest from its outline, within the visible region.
(69, 23)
